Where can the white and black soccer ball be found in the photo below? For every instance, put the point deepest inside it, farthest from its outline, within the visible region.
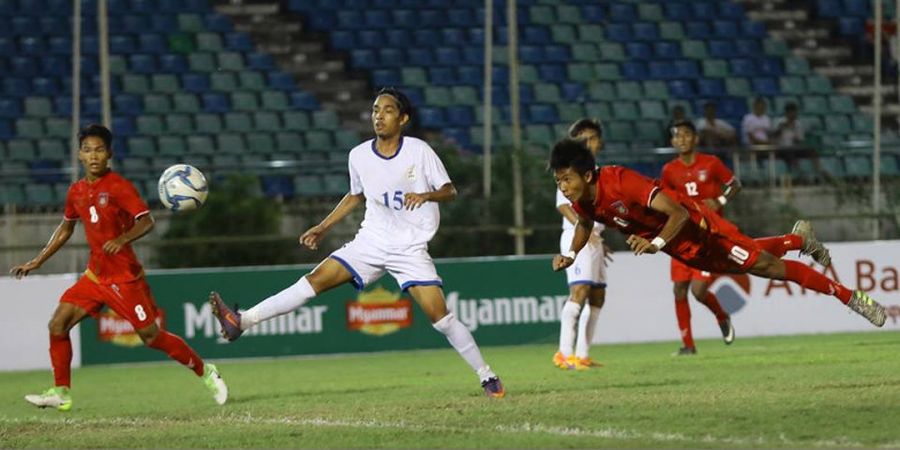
(182, 188)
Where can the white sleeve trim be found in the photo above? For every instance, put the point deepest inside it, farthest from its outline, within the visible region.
(650, 197)
(70, 219)
(142, 213)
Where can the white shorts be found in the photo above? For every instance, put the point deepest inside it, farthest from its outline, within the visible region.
(589, 266)
(367, 261)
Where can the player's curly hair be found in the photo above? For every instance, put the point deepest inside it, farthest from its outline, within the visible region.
(571, 153)
(401, 98)
(96, 130)
(685, 124)
(586, 123)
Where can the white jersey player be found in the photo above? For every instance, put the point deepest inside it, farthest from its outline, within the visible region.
(401, 180)
(586, 276)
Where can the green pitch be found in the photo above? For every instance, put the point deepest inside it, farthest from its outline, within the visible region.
(812, 391)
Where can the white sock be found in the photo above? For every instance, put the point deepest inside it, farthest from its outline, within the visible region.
(587, 324)
(293, 297)
(461, 340)
(567, 327)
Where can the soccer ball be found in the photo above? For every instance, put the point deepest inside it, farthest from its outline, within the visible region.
(182, 188)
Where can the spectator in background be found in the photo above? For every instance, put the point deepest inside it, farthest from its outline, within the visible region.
(678, 116)
(788, 130)
(714, 132)
(756, 125)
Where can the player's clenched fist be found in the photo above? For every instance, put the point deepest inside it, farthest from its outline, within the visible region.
(640, 245)
(560, 262)
(310, 239)
(23, 269)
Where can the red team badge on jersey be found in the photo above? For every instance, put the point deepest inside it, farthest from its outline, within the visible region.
(103, 199)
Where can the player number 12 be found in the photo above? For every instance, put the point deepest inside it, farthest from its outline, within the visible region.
(397, 200)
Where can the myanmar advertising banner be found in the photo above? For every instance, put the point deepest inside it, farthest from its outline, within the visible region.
(503, 301)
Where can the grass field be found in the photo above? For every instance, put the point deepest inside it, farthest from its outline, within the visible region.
(812, 391)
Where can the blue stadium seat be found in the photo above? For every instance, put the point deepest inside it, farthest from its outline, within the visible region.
(678, 11)
(369, 38)
(377, 19)
(427, 38)
(432, 17)
(753, 29)
(554, 73)
(594, 13)
(460, 116)
(681, 88)
(662, 70)
(539, 113)
(851, 26)
(704, 9)
(122, 44)
(404, 18)
(277, 186)
(536, 35)
(707, 87)
(45, 86)
(170, 63)
(306, 101)
(163, 23)
(635, 70)
(830, 8)
(698, 30)
(152, 43)
(442, 76)
(386, 77)
(197, 83)
(453, 37)
(391, 57)
(144, 64)
(432, 117)
(462, 17)
(217, 22)
(722, 49)
(128, 104)
(56, 66)
(238, 42)
(418, 57)
(645, 31)
(573, 92)
(449, 56)
(557, 53)
(343, 39)
(730, 10)
(766, 86)
(281, 81)
(123, 126)
(215, 102)
(638, 50)
(666, 50)
(10, 108)
(30, 45)
(619, 32)
(470, 75)
(687, 68)
(725, 29)
(260, 61)
(743, 67)
(23, 66)
(770, 67)
(349, 19)
(748, 47)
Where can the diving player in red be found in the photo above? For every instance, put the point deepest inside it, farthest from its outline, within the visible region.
(113, 216)
(656, 218)
(699, 176)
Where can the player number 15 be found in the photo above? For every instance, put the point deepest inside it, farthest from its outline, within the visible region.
(397, 200)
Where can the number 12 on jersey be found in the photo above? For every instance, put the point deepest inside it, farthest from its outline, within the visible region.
(397, 200)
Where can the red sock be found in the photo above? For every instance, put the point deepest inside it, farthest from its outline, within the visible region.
(683, 313)
(178, 350)
(780, 245)
(61, 359)
(807, 277)
(712, 302)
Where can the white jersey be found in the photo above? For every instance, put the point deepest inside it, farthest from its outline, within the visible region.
(415, 168)
(568, 226)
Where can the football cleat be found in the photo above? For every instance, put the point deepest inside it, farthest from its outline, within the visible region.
(229, 319)
(811, 245)
(562, 362)
(215, 384)
(56, 397)
(493, 387)
(867, 307)
(727, 331)
(685, 351)
(589, 362)
(577, 363)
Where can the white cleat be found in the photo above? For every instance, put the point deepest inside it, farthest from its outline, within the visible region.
(215, 384)
(55, 397)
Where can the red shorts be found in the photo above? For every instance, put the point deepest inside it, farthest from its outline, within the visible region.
(682, 272)
(132, 301)
(724, 250)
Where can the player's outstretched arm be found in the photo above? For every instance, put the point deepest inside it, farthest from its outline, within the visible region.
(446, 193)
(141, 227)
(59, 238)
(583, 230)
(312, 236)
(731, 190)
(678, 217)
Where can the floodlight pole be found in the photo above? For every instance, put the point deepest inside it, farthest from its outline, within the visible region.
(876, 139)
(518, 206)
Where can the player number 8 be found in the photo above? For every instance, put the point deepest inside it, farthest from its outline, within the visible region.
(94, 217)
(140, 312)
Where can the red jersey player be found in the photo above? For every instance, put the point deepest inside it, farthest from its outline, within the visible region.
(656, 218)
(700, 177)
(113, 215)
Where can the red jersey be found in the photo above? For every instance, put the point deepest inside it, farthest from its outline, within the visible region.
(701, 180)
(622, 200)
(108, 208)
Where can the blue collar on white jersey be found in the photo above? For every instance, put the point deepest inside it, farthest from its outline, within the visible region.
(375, 150)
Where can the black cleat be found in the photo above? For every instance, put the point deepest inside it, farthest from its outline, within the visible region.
(685, 351)
(229, 320)
(727, 331)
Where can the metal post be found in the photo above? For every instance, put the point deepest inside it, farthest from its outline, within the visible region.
(103, 32)
(76, 105)
(76, 87)
(876, 103)
(488, 95)
(518, 207)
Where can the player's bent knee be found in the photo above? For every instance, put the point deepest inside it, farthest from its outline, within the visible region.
(680, 290)
(578, 293)
(149, 333)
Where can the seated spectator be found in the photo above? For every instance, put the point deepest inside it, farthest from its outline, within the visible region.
(678, 115)
(756, 125)
(714, 132)
(788, 130)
